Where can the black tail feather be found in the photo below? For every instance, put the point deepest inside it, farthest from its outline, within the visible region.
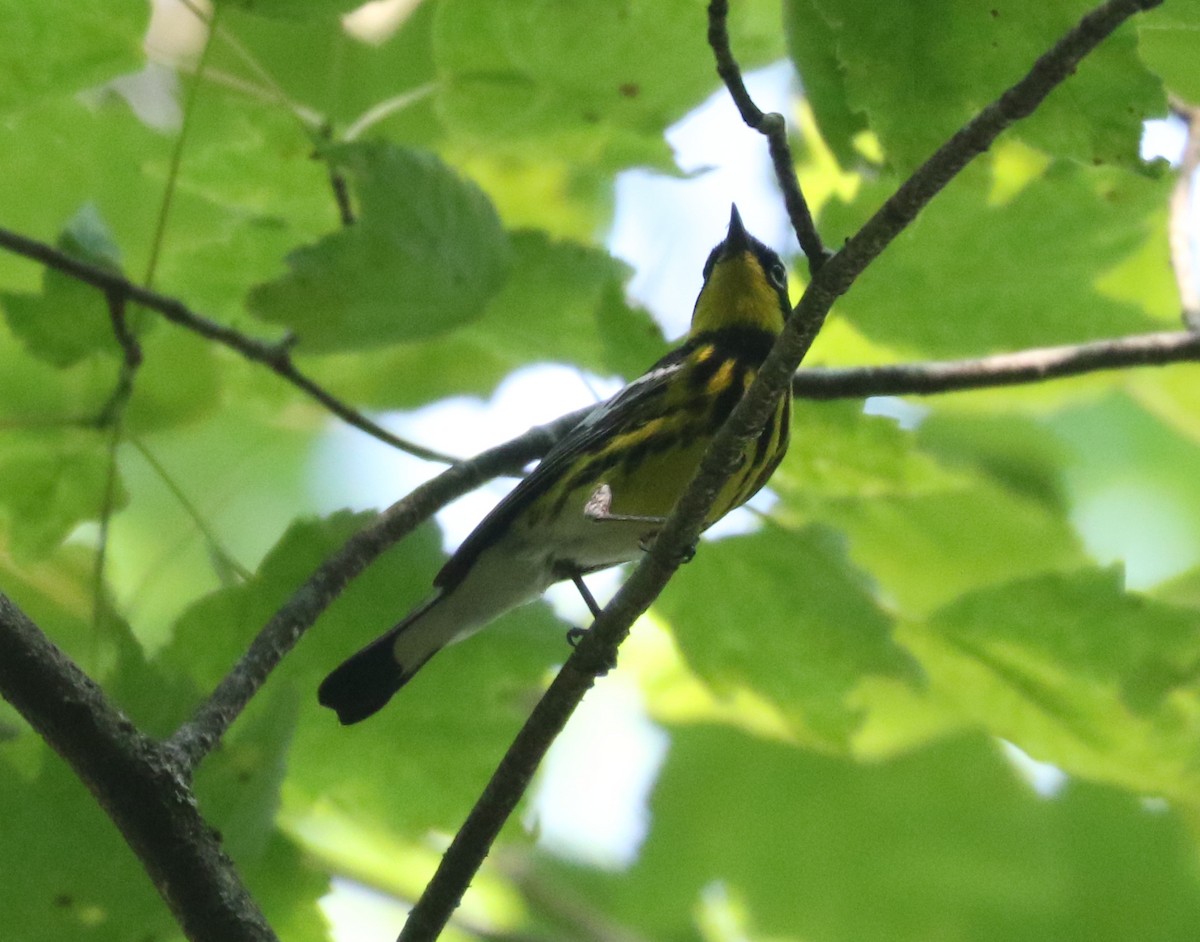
(364, 682)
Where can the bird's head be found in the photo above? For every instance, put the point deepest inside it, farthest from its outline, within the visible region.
(745, 285)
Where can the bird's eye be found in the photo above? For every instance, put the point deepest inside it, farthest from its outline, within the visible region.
(778, 275)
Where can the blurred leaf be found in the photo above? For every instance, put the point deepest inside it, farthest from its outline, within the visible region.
(812, 46)
(1011, 450)
(970, 277)
(49, 483)
(1102, 683)
(294, 9)
(784, 614)
(925, 532)
(424, 257)
(591, 82)
(69, 319)
(318, 65)
(917, 85)
(944, 843)
(1135, 494)
(44, 52)
(55, 835)
(562, 302)
(1182, 590)
(1166, 38)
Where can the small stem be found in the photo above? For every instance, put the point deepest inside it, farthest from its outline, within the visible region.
(773, 127)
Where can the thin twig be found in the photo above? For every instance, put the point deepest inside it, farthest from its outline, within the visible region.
(1181, 221)
(774, 128)
(133, 779)
(131, 359)
(383, 109)
(1003, 369)
(204, 730)
(276, 356)
(111, 417)
(599, 646)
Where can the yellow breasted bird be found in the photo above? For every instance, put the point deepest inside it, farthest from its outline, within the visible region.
(604, 489)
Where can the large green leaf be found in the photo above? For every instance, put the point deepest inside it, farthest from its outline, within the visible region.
(1102, 683)
(945, 843)
(924, 531)
(563, 302)
(916, 85)
(426, 255)
(358, 772)
(975, 275)
(592, 82)
(1166, 41)
(783, 615)
(44, 53)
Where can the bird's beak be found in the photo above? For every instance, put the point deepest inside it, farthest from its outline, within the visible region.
(737, 240)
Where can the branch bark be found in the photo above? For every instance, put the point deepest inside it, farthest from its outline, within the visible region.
(135, 781)
(1003, 369)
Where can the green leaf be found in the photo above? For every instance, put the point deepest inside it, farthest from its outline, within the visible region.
(563, 302)
(917, 85)
(1100, 682)
(1167, 41)
(425, 256)
(294, 9)
(923, 531)
(594, 82)
(1134, 489)
(69, 320)
(785, 615)
(972, 276)
(812, 46)
(56, 838)
(49, 483)
(945, 843)
(45, 53)
(319, 66)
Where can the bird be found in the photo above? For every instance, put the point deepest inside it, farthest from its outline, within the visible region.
(601, 493)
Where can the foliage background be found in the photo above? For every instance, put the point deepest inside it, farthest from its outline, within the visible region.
(834, 685)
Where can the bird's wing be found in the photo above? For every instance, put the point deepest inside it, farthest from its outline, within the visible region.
(606, 420)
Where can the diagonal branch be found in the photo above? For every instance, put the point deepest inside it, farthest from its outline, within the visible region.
(197, 737)
(133, 779)
(276, 356)
(599, 646)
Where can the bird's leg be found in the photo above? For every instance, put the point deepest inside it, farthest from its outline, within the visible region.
(575, 635)
(588, 599)
(598, 508)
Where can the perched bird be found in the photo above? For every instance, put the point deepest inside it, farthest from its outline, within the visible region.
(607, 486)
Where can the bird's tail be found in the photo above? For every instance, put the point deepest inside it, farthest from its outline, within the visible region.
(365, 681)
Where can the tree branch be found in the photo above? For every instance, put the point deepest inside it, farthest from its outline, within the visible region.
(599, 646)
(196, 738)
(276, 356)
(773, 127)
(1002, 369)
(133, 779)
